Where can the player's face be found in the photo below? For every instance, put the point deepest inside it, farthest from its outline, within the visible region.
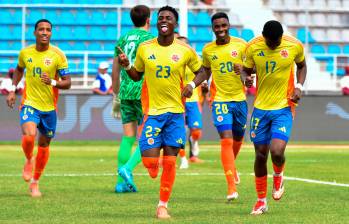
(166, 23)
(272, 44)
(43, 33)
(220, 28)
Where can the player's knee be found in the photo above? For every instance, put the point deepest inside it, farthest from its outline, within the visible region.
(278, 158)
(152, 164)
(261, 157)
(196, 134)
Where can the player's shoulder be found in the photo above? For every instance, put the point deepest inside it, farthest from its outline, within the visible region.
(28, 49)
(57, 51)
(257, 40)
(291, 39)
(238, 40)
(182, 44)
(209, 45)
(148, 42)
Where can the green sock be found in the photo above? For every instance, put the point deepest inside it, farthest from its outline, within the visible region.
(124, 152)
(135, 159)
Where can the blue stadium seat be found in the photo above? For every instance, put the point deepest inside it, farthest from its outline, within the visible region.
(234, 32)
(125, 19)
(111, 17)
(340, 71)
(65, 46)
(111, 33)
(334, 49)
(346, 49)
(6, 32)
(16, 33)
(79, 46)
(50, 14)
(67, 18)
(154, 18)
(203, 19)
(84, 17)
(11, 16)
(302, 36)
(98, 18)
(34, 15)
(203, 34)
(199, 47)
(247, 34)
(192, 35)
(317, 49)
(94, 46)
(191, 18)
(64, 33)
(29, 33)
(96, 32)
(125, 29)
(80, 33)
(109, 46)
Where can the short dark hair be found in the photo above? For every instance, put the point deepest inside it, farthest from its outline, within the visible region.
(219, 15)
(272, 30)
(171, 9)
(42, 20)
(139, 15)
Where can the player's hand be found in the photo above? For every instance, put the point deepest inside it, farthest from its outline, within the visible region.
(296, 96)
(45, 79)
(204, 88)
(115, 112)
(248, 81)
(237, 69)
(187, 91)
(123, 60)
(11, 99)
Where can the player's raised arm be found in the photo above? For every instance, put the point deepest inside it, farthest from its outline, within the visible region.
(200, 76)
(125, 63)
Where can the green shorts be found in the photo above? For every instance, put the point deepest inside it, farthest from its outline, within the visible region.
(131, 110)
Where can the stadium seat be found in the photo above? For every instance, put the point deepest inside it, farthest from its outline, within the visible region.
(345, 35)
(111, 17)
(94, 46)
(109, 46)
(96, 32)
(334, 49)
(302, 36)
(291, 4)
(125, 29)
(110, 34)
(79, 46)
(84, 17)
(203, 34)
(334, 35)
(191, 18)
(66, 17)
(247, 34)
(203, 19)
(98, 18)
(335, 19)
(345, 4)
(317, 49)
(6, 32)
(192, 35)
(289, 19)
(153, 18)
(125, 18)
(234, 32)
(16, 33)
(80, 33)
(319, 35)
(340, 71)
(346, 49)
(199, 47)
(334, 4)
(318, 19)
(34, 15)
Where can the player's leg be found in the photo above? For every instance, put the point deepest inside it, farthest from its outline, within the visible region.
(194, 122)
(222, 119)
(184, 161)
(281, 130)
(28, 121)
(260, 136)
(239, 111)
(173, 140)
(47, 128)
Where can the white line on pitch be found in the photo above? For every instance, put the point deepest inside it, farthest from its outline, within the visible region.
(180, 174)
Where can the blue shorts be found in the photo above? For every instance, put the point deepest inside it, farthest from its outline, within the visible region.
(193, 117)
(162, 130)
(268, 124)
(230, 116)
(45, 121)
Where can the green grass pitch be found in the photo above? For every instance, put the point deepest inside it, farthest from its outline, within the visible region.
(78, 187)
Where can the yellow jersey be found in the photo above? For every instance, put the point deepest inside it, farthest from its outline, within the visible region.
(53, 62)
(226, 85)
(188, 77)
(275, 71)
(164, 68)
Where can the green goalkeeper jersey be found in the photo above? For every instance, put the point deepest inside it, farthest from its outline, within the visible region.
(130, 90)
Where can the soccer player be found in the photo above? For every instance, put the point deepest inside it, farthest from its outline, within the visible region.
(127, 94)
(46, 72)
(273, 55)
(162, 61)
(229, 107)
(193, 118)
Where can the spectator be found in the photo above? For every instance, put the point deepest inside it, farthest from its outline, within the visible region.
(102, 84)
(7, 83)
(344, 84)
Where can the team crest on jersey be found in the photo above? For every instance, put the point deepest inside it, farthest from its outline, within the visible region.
(253, 135)
(234, 53)
(150, 141)
(175, 57)
(48, 61)
(25, 117)
(284, 53)
(219, 118)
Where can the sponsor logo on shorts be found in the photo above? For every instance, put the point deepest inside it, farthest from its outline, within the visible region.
(150, 141)
(49, 133)
(253, 135)
(25, 117)
(180, 141)
(220, 118)
(196, 123)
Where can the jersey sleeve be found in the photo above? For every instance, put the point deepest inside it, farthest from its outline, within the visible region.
(194, 62)
(205, 59)
(248, 60)
(300, 53)
(62, 66)
(21, 59)
(139, 63)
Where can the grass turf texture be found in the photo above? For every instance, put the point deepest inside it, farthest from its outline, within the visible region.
(87, 195)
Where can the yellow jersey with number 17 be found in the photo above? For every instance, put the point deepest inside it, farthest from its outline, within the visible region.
(275, 71)
(164, 68)
(226, 85)
(53, 62)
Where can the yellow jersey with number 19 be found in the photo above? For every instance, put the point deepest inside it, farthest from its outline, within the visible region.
(164, 68)
(275, 71)
(226, 85)
(53, 62)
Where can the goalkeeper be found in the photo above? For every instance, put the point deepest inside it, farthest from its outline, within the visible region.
(126, 101)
